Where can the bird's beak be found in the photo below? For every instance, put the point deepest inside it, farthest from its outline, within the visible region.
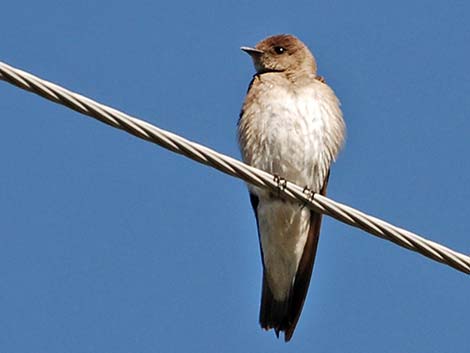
(253, 52)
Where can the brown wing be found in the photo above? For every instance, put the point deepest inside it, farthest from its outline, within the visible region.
(284, 315)
(304, 272)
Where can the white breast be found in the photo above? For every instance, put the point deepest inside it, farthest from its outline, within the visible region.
(292, 134)
(295, 135)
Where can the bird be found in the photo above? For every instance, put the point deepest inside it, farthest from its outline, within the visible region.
(290, 125)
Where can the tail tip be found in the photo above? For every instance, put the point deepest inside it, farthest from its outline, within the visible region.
(288, 331)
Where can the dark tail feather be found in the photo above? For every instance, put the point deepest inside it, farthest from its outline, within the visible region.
(304, 273)
(284, 315)
(273, 313)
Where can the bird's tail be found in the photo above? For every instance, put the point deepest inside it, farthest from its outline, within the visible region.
(283, 315)
(273, 313)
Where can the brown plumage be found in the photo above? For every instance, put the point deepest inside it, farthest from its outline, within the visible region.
(290, 126)
(283, 316)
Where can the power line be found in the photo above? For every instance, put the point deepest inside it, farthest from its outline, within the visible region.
(233, 167)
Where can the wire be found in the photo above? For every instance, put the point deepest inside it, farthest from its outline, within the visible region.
(233, 167)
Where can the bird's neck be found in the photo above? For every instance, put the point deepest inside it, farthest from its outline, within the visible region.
(300, 77)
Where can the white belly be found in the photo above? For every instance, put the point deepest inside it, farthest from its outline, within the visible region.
(291, 136)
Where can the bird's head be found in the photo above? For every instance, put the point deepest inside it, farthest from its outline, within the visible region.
(282, 53)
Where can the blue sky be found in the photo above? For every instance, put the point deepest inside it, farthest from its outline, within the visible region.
(112, 244)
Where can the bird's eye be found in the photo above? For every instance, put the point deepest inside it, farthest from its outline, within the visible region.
(279, 50)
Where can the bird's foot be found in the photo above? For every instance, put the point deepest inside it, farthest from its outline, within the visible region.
(321, 79)
(281, 184)
(310, 194)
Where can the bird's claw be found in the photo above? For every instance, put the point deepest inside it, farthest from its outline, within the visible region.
(308, 193)
(281, 184)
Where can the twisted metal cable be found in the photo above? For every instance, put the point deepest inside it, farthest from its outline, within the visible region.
(233, 167)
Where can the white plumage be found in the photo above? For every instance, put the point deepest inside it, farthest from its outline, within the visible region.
(293, 134)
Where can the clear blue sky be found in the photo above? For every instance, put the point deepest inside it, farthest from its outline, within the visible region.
(112, 244)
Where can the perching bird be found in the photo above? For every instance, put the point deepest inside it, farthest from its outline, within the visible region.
(291, 126)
